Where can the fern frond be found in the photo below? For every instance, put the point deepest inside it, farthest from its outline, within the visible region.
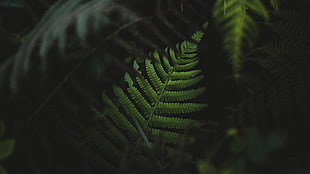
(238, 27)
(54, 28)
(152, 104)
(71, 24)
(284, 57)
(283, 101)
(292, 27)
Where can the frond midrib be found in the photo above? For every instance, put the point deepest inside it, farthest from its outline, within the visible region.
(163, 89)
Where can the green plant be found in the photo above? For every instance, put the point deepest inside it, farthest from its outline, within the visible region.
(239, 28)
(54, 27)
(6, 147)
(146, 123)
(247, 148)
(152, 104)
(284, 62)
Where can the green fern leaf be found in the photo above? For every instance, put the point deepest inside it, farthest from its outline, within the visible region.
(152, 104)
(238, 27)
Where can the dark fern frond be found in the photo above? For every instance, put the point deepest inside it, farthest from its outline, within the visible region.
(284, 102)
(279, 106)
(238, 26)
(288, 55)
(278, 62)
(292, 27)
(68, 25)
(152, 104)
(54, 27)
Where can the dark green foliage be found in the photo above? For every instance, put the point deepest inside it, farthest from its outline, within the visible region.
(234, 19)
(6, 147)
(54, 28)
(55, 66)
(286, 62)
(72, 25)
(151, 106)
(247, 148)
(279, 96)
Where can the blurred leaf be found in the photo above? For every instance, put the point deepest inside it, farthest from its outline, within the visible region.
(98, 65)
(231, 132)
(204, 167)
(275, 141)
(12, 3)
(6, 148)
(2, 170)
(256, 146)
(235, 20)
(238, 166)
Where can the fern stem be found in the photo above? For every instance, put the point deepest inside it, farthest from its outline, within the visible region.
(147, 142)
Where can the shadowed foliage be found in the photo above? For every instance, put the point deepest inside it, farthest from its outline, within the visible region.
(115, 86)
